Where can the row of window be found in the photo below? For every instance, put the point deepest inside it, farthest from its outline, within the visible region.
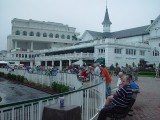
(38, 34)
(101, 51)
(129, 51)
(25, 55)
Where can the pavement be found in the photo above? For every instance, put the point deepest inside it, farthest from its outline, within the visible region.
(147, 104)
(11, 92)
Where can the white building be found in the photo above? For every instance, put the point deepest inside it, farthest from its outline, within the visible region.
(123, 47)
(29, 36)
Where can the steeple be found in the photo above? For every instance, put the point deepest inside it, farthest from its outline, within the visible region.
(106, 22)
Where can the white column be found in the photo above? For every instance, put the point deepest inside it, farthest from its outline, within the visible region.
(15, 46)
(52, 63)
(45, 64)
(31, 45)
(69, 62)
(31, 64)
(60, 65)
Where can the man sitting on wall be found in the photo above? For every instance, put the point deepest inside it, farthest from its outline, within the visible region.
(121, 97)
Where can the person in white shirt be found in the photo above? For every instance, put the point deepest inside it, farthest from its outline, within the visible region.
(97, 70)
(119, 82)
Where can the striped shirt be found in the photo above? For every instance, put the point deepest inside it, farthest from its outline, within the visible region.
(124, 96)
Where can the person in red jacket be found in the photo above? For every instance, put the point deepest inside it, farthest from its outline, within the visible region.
(108, 80)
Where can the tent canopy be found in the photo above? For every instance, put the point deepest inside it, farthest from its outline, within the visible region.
(3, 62)
(79, 62)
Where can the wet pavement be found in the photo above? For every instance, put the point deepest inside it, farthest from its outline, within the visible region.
(11, 92)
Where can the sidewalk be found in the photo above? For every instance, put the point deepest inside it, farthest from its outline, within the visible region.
(147, 105)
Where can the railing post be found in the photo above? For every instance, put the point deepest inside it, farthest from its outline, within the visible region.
(87, 115)
(32, 114)
(2, 115)
(23, 112)
(40, 110)
(13, 114)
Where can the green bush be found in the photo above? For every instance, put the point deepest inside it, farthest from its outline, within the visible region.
(59, 87)
(1, 74)
(146, 73)
(9, 75)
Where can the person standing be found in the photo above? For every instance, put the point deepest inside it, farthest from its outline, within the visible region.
(97, 72)
(112, 69)
(108, 80)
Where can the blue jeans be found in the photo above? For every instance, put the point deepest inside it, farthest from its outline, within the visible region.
(108, 89)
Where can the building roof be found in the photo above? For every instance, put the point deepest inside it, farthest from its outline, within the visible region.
(120, 34)
(130, 32)
(153, 23)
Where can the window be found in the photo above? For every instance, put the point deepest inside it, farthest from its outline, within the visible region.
(68, 37)
(155, 53)
(17, 32)
(24, 33)
(19, 55)
(57, 36)
(130, 51)
(29, 56)
(25, 55)
(51, 35)
(101, 51)
(22, 55)
(142, 52)
(38, 34)
(16, 55)
(159, 44)
(31, 34)
(62, 36)
(117, 50)
(44, 34)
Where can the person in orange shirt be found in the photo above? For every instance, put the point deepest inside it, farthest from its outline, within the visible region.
(108, 80)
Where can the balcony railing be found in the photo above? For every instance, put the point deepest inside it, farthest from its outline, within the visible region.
(67, 56)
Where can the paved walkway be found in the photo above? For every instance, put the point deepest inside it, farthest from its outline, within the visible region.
(147, 105)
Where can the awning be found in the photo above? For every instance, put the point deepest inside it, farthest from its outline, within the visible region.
(3, 62)
(100, 61)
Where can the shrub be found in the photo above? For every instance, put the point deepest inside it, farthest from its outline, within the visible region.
(147, 73)
(59, 87)
(1, 74)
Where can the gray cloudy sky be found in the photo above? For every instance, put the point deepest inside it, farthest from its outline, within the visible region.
(81, 14)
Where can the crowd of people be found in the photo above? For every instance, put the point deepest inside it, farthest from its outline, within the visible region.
(133, 70)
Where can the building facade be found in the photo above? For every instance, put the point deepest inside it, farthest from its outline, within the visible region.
(30, 36)
(46, 39)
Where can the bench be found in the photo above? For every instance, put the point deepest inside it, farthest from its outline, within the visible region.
(118, 112)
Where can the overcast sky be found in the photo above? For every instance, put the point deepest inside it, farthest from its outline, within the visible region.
(81, 14)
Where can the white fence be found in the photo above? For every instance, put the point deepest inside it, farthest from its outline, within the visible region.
(63, 78)
(88, 98)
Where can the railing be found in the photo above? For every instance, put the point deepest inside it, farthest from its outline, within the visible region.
(67, 56)
(89, 99)
(63, 78)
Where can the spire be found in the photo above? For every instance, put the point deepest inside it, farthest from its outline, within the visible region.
(106, 22)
